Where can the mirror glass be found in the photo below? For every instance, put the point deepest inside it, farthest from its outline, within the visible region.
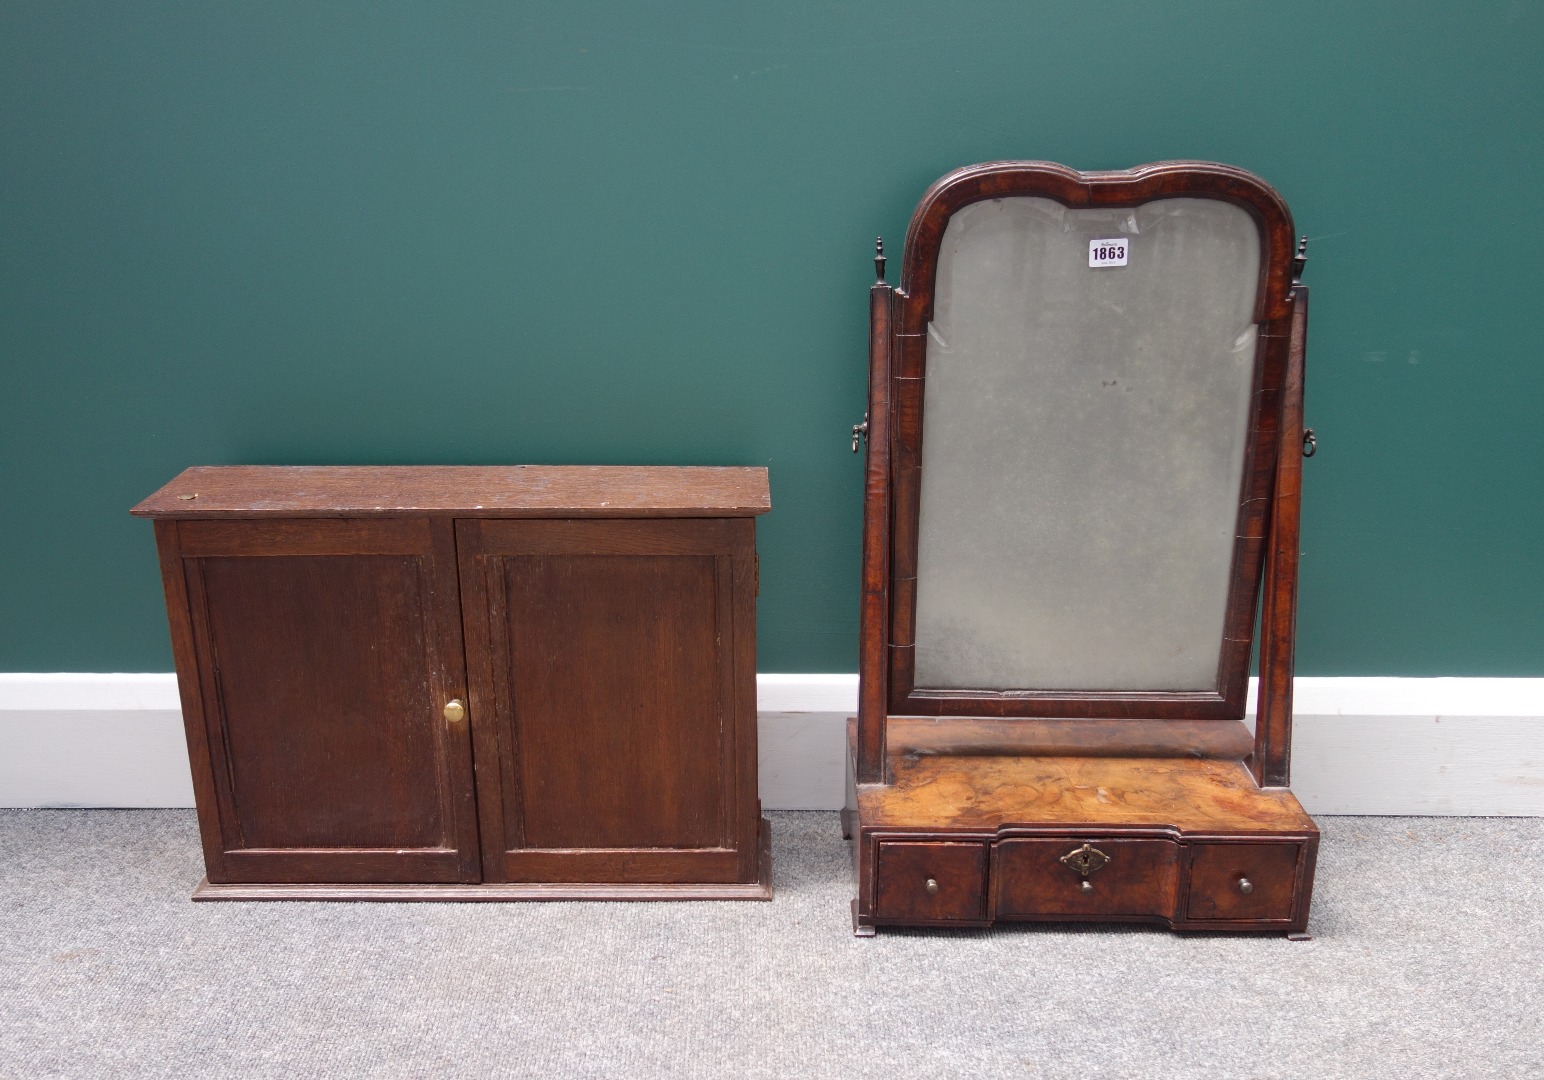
(1083, 444)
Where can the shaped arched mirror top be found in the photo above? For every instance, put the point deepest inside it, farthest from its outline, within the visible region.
(1086, 424)
(1083, 376)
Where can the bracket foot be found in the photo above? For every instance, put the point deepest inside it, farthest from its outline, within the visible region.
(860, 928)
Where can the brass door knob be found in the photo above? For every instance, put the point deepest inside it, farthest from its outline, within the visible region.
(1245, 886)
(455, 712)
(932, 887)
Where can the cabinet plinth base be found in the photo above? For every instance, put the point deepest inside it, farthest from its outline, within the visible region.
(760, 889)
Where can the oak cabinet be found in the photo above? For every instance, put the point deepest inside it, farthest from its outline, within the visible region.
(468, 683)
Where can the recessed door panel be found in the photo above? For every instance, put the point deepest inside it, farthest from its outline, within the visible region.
(617, 714)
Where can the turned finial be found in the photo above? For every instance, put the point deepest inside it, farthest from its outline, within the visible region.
(879, 259)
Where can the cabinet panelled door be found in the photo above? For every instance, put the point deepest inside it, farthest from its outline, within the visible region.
(331, 649)
(610, 681)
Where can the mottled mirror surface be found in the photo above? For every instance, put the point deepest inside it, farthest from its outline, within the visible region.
(1083, 445)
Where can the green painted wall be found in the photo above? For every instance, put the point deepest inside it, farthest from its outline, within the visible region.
(611, 232)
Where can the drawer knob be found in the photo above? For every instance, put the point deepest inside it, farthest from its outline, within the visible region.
(1245, 886)
(932, 887)
(455, 712)
(1088, 886)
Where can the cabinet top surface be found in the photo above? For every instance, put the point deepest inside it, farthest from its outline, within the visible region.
(251, 491)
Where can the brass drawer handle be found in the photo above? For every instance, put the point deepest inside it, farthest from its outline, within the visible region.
(932, 887)
(455, 712)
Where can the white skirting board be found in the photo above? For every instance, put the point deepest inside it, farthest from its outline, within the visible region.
(1361, 746)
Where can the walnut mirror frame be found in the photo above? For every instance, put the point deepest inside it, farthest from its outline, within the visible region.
(1059, 604)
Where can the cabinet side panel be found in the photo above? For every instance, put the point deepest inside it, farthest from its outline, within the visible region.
(738, 668)
(619, 720)
(191, 677)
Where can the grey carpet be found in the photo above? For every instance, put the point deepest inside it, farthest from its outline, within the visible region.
(1426, 962)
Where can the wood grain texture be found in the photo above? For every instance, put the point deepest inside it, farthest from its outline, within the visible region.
(738, 583)
(863, 849)
(1141, 879)
(318, 702)
(640, 863)
(191, 677)
(758, 888)
(1153, 817)
(988, 793)
(461, 490)
(616, 712)
(1219, 874)
(497, 893)
(1228, 740)
(1278, 617)
(612, 536)
(957, 873)
(874, 610)
(307, 536)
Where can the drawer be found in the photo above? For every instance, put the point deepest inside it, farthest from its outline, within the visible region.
(1243, 881)
(1123, 878)
(931, 881)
